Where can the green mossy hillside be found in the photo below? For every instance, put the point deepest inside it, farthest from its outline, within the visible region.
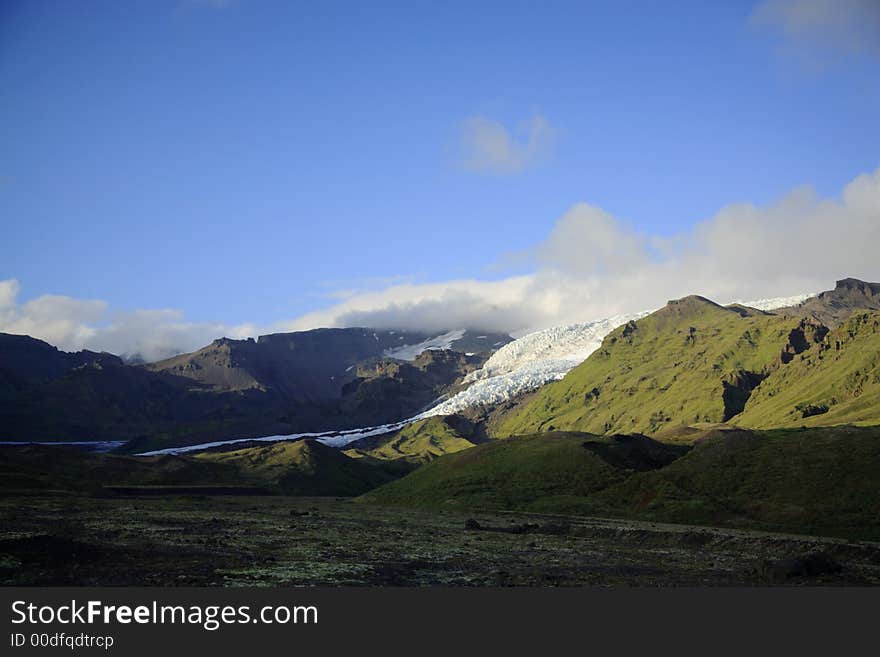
(302, 467)
(517, 473)
(836, 382)
(292, 468)
(823, 481)
(418, 442)
(692, 361)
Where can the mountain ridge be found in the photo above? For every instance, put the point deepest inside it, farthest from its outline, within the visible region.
(695, 361)
(277, 384)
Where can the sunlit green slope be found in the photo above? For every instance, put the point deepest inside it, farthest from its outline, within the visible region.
(418, 442)
(835, 382)
(692, 361)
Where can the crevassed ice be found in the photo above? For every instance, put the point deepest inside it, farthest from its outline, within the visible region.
(573, 342)
(531, 361)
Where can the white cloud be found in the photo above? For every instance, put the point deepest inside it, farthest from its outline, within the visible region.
(74, 324)
(823, 26)
(57, 319)
(489, 147)
(591, 265)
(469, 303)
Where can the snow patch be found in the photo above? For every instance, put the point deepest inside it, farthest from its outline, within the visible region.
(777, 302)
(411, 351)
(330, 438)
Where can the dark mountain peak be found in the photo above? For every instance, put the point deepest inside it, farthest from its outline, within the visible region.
(851, 284)
(26, 360)
(12, 340)
(227, 345)
(692, 301)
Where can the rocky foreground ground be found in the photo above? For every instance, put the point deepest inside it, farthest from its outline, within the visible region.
(295, 541)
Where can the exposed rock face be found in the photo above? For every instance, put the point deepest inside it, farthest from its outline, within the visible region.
(306, 366)
(833, 307)
(807, 334)
(405, 388)
(314, 366)
(737, 389)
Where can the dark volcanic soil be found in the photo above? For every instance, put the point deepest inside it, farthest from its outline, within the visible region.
(289, 541)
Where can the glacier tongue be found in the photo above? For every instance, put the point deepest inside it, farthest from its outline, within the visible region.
(531, 361)
(573, 342)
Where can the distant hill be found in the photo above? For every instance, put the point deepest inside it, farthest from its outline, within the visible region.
(419, 442)
(820, 480)
(69, 469)
(303, 467)
(291, 468)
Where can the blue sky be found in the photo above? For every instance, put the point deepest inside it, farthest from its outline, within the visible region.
(250, 161)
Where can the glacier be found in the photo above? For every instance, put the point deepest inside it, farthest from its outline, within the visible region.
(529, 362)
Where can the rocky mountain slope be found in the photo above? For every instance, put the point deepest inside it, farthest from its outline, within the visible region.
(835, 382)
(306, 365)
(691, 361)
(833, 307)
(326, 379)
(27, 361)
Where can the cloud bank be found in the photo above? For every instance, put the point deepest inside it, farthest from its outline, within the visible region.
(590, 265)
(593, 265)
